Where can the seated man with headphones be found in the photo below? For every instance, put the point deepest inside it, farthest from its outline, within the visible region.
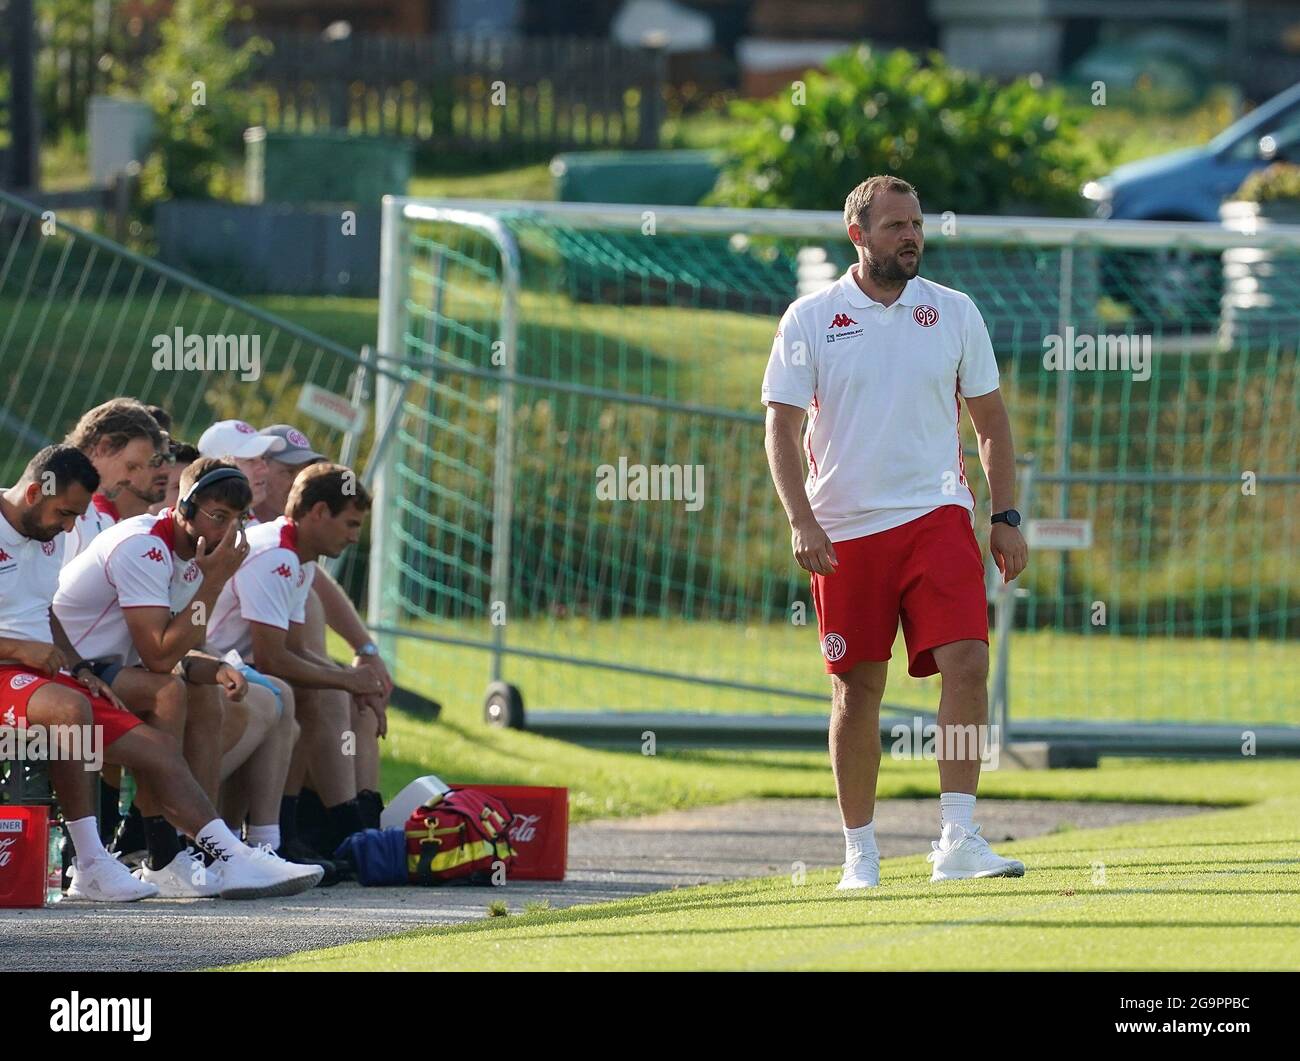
(140, 595)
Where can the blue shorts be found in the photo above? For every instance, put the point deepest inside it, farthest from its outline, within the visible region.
(256, 677)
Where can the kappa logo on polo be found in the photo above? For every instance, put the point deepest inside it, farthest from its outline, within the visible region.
(841, 321)
(20, 681)
(833, 647)
(153, 554)
(283, 571)
(4, 557)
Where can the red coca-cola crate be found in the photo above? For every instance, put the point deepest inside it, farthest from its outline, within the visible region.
(24, 849)
(539, 831)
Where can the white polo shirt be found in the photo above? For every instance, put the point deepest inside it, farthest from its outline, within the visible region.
(130, 565)
(29, 575)
(271, 587)
(100, 514)
(882, 386)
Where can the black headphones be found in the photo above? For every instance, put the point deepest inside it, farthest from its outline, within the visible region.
(187, 506)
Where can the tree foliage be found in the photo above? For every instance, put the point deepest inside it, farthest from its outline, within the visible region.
(967, 143)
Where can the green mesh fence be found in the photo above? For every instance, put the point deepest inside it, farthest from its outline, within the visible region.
(80, 320)
(640, 339)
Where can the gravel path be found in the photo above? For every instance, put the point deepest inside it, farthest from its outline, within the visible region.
(607, 860)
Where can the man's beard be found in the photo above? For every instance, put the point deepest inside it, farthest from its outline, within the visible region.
(149, 497)
(891, 272)
(36, 531)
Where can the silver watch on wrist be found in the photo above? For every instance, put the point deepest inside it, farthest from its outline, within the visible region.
(368, 649)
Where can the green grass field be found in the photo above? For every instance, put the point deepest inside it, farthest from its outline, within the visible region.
(1212, 891)
(1053, 675)
(616, 783)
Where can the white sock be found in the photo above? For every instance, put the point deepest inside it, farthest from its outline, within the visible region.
(861, 839)
(264, 834)
(957, 808)
(86, 841)
(217, 839)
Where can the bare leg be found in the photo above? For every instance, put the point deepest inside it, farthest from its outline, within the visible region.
(74, 784)
(203, 737)
(161, 700)
(963, 708)
(366, 727)
(855, 739)
(363, 724)
(155, 758)
(245, 727)
(265, 772)
(324, 715)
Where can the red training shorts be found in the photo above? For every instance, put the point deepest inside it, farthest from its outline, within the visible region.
(18, 683)
(928, 573)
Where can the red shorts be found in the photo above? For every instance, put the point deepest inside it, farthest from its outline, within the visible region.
(18, 683)
(928, 573)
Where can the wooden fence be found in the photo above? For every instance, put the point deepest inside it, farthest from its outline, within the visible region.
(464, 93)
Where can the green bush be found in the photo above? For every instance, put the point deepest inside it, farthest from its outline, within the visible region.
(197, 138)
(1280, 182)
(966, 142)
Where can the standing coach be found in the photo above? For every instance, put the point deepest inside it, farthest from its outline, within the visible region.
(880, 363)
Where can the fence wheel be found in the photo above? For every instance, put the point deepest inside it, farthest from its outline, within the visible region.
(504, 706)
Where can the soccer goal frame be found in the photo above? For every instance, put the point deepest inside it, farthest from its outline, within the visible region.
(1076, 243)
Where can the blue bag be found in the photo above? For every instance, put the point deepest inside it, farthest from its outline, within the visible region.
(378, 854)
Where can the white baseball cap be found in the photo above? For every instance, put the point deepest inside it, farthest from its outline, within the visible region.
(234, 438)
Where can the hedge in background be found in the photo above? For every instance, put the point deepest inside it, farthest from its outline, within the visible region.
(968, 143)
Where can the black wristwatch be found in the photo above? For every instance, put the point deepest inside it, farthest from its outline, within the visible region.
(1010, 517)
(79, 665)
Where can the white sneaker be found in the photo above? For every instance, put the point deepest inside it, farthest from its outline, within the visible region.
(184, 877)
(106, 880)
(961, 853)
(262, 874)
(861, 870)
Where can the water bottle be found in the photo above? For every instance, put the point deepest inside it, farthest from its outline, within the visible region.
(126, 795)
(54, 866)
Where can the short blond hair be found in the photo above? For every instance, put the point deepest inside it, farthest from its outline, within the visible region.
(857, 206)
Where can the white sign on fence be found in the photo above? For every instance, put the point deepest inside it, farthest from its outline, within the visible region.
(1060, 534)
(331, 409)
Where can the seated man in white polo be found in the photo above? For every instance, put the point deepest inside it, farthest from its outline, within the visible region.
(44, 682)
(141, 595)
(260, 615)
(129, 450)
(328, 606)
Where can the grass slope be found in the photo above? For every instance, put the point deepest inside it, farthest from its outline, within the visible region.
(1213, 891)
